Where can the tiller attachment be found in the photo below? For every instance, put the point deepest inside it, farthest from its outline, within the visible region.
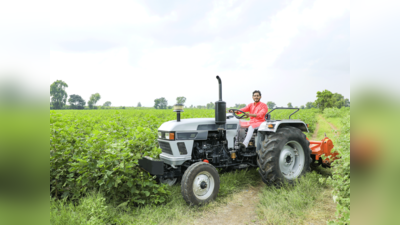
(318, 148)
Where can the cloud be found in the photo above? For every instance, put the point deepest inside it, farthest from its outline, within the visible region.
(326, 49)
(88, 45)
(197, 22)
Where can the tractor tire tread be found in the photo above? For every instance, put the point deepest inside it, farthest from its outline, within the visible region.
(268, 157)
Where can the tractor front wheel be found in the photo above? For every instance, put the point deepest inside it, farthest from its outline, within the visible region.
(200, 184)
(284, 156)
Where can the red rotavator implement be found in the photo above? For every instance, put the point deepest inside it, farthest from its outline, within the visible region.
(324, 147)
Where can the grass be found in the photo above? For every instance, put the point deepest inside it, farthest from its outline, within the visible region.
(335, 121)
(325, 128)
(93, 208)
(304, 203)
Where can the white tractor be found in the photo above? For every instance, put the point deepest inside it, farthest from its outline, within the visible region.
(192, 149)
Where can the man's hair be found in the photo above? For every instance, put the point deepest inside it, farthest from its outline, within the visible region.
(257, 91)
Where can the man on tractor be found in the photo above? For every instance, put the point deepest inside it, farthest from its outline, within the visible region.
(256, 111)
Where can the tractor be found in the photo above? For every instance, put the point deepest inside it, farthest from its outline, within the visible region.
(192, 149)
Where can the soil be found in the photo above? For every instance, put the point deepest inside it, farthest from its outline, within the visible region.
(241, 209)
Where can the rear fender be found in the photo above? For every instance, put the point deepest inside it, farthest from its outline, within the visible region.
(282, 123)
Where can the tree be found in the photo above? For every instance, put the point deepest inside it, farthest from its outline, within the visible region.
(338, 100)
(157, 103)
(181, 100)
(210, 105)
(107, 104)
(290, 105)
(94, 98)
(139, 105)
(271, 105)
(76, 102)
(324, 100)
(191, 106)
(302, 107)
(58, 94)
(310, 105)
(160, 103)
(346, 102)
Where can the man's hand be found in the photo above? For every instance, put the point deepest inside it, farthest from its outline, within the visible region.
(231, 111)
(247, 114)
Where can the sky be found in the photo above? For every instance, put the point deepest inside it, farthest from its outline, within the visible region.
(137, 51)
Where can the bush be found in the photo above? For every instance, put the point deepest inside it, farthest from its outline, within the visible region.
(331, 112)
(335, 112)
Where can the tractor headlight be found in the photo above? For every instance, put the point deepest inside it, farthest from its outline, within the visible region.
(159, 134)
(170, 136)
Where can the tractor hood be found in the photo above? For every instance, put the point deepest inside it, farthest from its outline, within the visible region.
(190, 124)
(185, 124)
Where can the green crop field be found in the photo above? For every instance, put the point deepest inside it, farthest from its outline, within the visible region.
(99, 150)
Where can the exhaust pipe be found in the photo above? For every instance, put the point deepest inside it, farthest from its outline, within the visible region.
(220, 108)
(220, 88)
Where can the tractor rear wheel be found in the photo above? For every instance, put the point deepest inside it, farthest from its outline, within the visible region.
(200, 184)
(284, 156)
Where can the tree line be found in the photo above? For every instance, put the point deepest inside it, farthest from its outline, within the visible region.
(162, 103)
(59, 96)
(325, 99)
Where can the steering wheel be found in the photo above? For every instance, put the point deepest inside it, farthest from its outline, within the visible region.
(239, 117)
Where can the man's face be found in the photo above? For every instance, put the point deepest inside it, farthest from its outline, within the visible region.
(256, 97)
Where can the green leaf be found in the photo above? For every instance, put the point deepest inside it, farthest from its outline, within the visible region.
(139, 201)
(129, 183)
(122, 204)
(85, 181)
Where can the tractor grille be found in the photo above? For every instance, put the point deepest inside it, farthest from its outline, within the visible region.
(165, 147)
(182, 148)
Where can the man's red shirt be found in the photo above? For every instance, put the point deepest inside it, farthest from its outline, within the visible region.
(260, 109)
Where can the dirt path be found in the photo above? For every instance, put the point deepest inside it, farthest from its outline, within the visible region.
(315, 134)
(241, 209)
